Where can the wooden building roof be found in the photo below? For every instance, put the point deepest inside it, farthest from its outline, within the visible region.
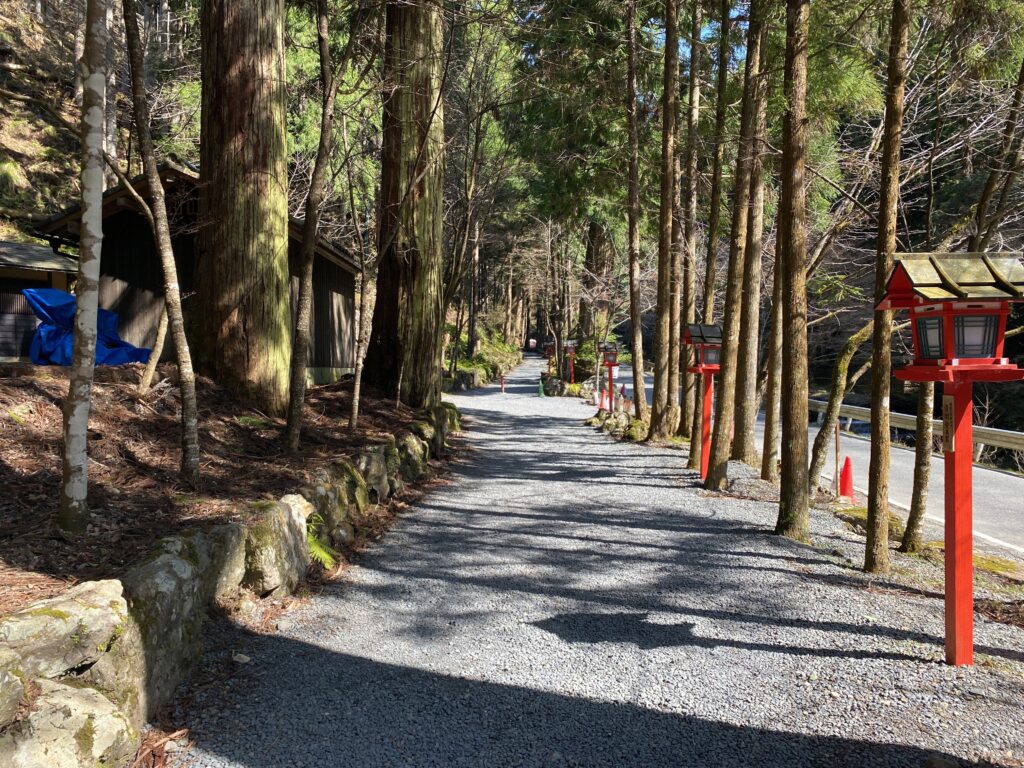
(35, 257)
(924, 278)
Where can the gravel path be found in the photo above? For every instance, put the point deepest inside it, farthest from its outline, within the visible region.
(574, 601)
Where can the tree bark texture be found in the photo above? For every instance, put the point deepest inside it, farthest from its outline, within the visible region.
(744, 447)
(404, 354)
(689, 193)
(661, 426)
(725, 403)
(718, 160)
(793, 495)
(922, 468)
(876, 556)
(310, 229)
(73, 513)
(635, 314)
(773, 386)
(242, 278)
(190, 454)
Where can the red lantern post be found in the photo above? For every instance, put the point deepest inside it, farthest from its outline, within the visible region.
(706, 341)
(610, 351)
(958, 305)
(570, 351)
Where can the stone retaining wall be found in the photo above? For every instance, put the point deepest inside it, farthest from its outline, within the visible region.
(82, 672)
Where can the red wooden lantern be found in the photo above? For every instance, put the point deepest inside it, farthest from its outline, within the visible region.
(958, 305)
(610, 351)
(706, 341)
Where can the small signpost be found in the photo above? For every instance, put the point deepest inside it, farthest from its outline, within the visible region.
(706, 341)
(958, 305)
(610, 351)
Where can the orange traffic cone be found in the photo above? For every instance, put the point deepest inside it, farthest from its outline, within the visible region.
(846, 480)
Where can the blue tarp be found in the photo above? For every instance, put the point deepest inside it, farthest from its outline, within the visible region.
(54, 337)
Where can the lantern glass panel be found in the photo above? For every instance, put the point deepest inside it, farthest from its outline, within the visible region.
(929, 338)
(712, 355)
(975, 335)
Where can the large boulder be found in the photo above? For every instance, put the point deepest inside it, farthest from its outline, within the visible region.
(351, 484)
(373, 466)
(69, 632)
(425, 431)
(454, 418)
(12, 689)
(276, 550)
(69, 727)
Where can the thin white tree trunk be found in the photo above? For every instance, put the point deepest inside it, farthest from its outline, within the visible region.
(73, 515)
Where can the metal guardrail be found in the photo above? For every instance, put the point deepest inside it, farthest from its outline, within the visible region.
(997, 438)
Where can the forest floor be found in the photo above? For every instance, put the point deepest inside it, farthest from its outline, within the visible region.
(135, 494)
(567, 599)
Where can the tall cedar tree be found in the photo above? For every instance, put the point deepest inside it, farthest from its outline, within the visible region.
(172, 316)
(690, 219)
(661, 426)
(404, 353)
(73, 514)
(242, 276)
(876, 555)
(744, 445)
(773, 387)
(793, 495)
(635, 310)
(714, 212)
(721, 441)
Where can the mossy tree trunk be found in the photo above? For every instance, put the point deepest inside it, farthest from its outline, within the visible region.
(793, 496)
(876, 556)
(404, 354)
(725, 403)
(242, 277)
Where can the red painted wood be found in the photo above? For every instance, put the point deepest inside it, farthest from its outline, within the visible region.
(705, 427)
(959, 539)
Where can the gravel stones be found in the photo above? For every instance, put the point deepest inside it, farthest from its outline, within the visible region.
(573, 600)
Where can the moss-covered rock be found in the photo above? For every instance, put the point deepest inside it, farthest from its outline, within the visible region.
(413, 453)
(426, 432)
(67, 632)
(69, 726)
(454, 420)
(637, 430)
(351, 484)
(373, 466)
(276, 551)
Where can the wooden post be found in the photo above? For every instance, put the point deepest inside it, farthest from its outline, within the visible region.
(705, 429)
(837, 459)
(957, 444)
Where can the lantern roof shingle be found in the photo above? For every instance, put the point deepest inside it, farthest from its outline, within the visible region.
(920, 278)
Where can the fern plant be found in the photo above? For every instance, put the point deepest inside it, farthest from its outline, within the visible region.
(321, 552)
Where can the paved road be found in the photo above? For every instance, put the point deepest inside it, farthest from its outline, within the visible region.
(572, 600)
(998, 496)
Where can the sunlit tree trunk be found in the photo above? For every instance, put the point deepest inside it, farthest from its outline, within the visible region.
(744, 446)
(242, 300)
(635, 316)
(922, 468)
(773, 387)
(73, 513)
(661, 426)
(404, 355)
(714, 210)
(689, 203)
(793, 495)
(725, 402)
(876, 555)
(162, 234)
